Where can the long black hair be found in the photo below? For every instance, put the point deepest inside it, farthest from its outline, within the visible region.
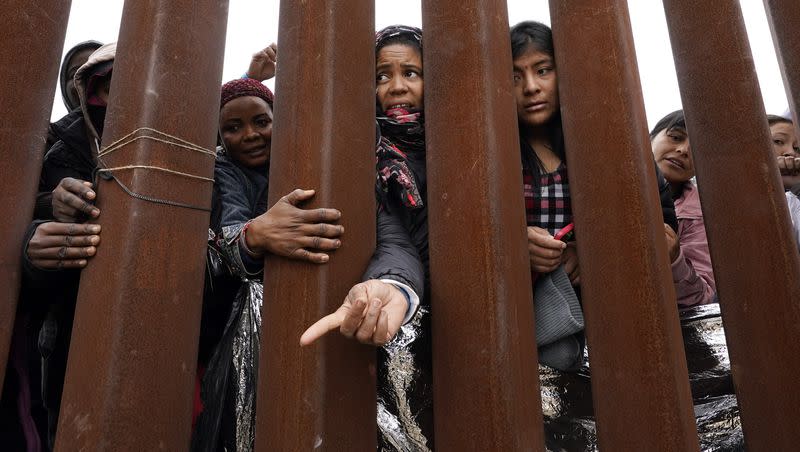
(536, 36)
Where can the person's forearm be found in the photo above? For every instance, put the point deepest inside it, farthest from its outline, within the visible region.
(690, 288)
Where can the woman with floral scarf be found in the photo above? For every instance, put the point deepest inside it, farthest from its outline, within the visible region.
(391, 307)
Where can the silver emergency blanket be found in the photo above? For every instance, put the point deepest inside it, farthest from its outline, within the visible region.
(244, 363)
(405, 397)
(229, 386)
(567, 404)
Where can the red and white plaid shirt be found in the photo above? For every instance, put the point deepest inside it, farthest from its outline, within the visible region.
(550, 208)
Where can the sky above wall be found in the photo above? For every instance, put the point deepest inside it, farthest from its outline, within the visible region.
(252, 24)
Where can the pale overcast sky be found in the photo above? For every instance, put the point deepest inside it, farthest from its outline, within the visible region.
(252, 24)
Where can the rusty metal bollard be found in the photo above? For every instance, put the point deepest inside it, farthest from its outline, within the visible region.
(321, 396)
(486, 388)
(131, 371)
(33, 36)
(737, 175)
(637, 360)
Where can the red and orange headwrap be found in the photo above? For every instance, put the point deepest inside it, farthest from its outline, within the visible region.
(241, 87)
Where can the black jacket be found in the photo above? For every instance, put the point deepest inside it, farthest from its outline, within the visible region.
(56, 130)
(69, 156)
(55, 292)
(401, 252)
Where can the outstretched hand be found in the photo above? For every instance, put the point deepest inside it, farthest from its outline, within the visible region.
(63, 245)
(263, 64)
(372, 313)
(71, 198)
(289, 231)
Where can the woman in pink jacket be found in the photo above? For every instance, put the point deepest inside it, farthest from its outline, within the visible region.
(688, 249)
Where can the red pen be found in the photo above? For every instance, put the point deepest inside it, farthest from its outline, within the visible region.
(565, 233)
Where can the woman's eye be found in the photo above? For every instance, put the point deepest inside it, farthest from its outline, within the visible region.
(230, 129)
(382, 77)
(778, 142)
(411, 74)
(544, 70)
(517, 78)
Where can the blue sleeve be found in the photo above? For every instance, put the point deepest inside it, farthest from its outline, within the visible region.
(232, 186)
(235, 209)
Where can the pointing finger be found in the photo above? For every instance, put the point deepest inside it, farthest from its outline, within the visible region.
(321, 327)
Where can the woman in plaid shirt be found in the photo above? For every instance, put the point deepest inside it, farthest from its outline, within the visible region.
(546, 186)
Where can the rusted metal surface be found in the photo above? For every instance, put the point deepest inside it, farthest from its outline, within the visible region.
(641, 390)
(757, 282)
(131, 370)
(35, 31)
(486, 387)
(321, 396)
(784, 18)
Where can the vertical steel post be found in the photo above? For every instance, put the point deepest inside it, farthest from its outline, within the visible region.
(757, 279)
(486, 387)
(131, 369)
(639, 377)
(32, 36)
(321, 396)
(784, 21)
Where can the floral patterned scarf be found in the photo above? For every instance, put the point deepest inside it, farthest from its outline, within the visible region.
(402, 139)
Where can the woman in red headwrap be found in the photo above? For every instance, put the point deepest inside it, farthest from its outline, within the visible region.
(243, 231)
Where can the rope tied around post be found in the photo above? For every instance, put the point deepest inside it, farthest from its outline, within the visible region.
(157, 136)
(149, 133)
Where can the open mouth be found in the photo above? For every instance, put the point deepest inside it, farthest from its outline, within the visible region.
(403, 105)
(676, 162)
